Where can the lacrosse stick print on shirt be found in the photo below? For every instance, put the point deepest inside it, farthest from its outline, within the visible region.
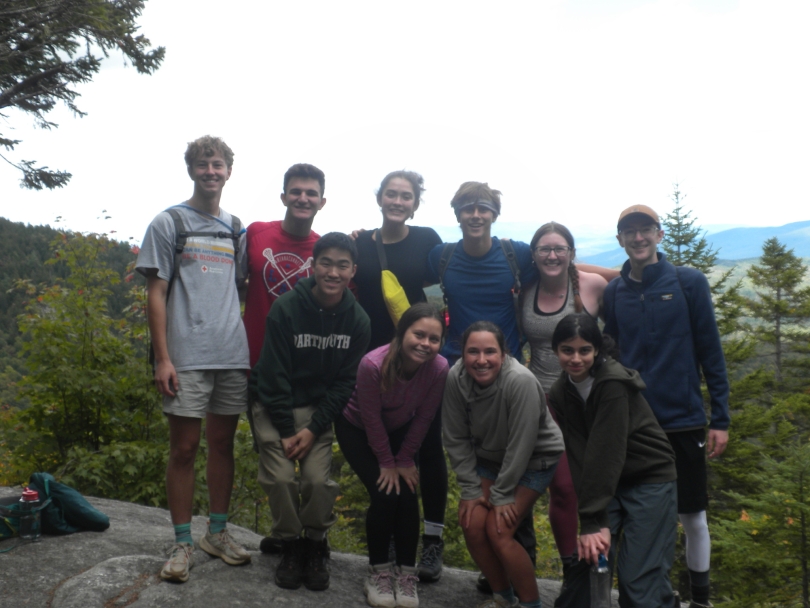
(282, 271)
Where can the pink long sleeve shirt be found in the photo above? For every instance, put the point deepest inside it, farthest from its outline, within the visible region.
(379, 414)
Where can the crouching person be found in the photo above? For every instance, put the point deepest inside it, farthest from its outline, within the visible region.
(504, 447)
(315, 336)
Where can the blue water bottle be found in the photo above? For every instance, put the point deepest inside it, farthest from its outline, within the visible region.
(30, 528)
(600, 583)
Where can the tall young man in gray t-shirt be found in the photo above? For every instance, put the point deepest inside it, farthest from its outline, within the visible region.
(200, 347)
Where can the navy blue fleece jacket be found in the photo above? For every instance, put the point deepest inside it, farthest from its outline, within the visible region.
(665, 328)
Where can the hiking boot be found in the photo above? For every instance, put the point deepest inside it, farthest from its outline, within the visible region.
(482, 584)
(270, 545)
(498, 602)
(405, 587)
(223, 546)
(180, 561)
(379, 586)
(430, 562)
(316, 565)
(290, 570)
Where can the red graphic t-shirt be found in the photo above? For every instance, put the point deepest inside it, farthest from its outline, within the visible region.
(276, 260)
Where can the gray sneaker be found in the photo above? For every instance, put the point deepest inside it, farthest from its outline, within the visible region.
(223, 546)
(181, 559)
(405, 587)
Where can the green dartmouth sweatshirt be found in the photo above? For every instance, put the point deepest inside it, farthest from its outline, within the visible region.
(309, 357)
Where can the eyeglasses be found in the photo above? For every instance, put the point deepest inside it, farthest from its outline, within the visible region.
(630, 233)
(544, 252)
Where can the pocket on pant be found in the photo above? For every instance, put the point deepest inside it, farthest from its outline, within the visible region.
(264, 430)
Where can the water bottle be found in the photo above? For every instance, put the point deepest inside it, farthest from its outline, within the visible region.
(600, 583)
(29, 517)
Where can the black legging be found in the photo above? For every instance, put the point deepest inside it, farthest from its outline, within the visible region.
(388, 514)
(433, 473)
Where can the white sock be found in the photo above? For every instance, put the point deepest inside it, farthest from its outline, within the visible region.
(698, 543)
(433, 529)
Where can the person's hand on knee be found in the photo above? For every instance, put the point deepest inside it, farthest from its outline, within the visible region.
(466, 508)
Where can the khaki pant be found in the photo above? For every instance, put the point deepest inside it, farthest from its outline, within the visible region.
(302, 502)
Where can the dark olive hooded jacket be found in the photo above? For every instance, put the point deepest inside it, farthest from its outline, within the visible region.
(612, 439)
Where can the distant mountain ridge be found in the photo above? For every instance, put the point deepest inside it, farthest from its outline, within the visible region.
(733, 244)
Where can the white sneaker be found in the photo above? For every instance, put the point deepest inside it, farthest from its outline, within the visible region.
(181, 559)
(405, 587)
(379, 586)
(223, 546)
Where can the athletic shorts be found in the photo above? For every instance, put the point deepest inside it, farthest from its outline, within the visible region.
(208, 391)
(531, 478)
(690, 462)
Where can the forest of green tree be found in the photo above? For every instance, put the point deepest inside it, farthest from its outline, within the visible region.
(77, 400)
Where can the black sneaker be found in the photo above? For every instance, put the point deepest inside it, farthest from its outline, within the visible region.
(290, 571)
(430, 562)
(316, 565)
(270, 545)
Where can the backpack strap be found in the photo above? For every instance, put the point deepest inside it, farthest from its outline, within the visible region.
(444, 261)
(511, 258)
(180, 238)
(236, 227)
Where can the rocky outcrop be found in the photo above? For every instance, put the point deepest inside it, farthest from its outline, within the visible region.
(120, 568)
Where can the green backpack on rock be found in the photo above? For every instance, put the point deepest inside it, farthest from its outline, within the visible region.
(63, 510)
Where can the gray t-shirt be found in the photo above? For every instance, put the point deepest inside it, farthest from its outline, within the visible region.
(204, 325)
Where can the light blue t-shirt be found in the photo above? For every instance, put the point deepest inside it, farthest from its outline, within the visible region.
(480, 289)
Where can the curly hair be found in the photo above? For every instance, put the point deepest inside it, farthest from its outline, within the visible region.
(207, 146)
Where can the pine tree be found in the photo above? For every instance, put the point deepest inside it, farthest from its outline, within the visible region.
(48, 47)
(684, 243)
(762, 547)
(782, 306)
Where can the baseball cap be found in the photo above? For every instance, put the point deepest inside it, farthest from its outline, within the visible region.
(633, 213)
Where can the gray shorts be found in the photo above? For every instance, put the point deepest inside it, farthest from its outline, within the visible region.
(204, 391)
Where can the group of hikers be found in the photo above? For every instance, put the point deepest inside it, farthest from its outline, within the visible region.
(619, 438)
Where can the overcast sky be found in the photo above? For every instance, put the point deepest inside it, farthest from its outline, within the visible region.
(574, 109)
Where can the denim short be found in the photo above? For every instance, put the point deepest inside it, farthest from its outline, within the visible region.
(533, 479)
